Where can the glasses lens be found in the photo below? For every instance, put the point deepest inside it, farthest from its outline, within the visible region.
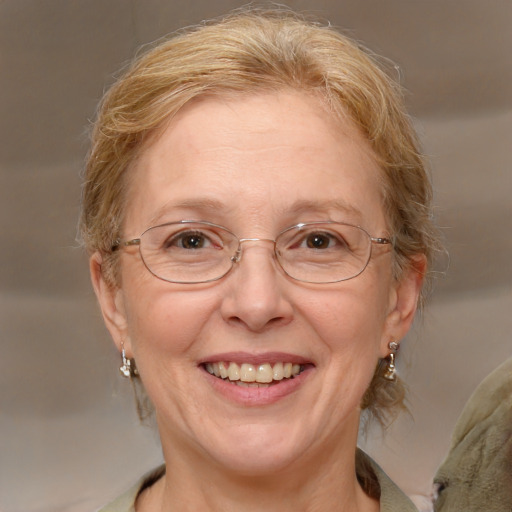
(323, 252)
(188, 252)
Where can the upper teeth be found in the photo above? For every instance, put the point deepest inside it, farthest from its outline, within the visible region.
(262, 373)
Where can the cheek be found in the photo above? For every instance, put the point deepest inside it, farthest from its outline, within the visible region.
(163, 319)
(351, 316)
(170, 323)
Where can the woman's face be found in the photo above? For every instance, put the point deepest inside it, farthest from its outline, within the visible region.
(257, 165)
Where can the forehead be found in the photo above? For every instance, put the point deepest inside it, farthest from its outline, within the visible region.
(271, 154)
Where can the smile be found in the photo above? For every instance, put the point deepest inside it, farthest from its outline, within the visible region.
(254, 375)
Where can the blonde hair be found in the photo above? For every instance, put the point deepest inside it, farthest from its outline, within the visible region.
(248, 51)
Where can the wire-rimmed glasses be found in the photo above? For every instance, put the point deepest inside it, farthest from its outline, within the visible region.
(190, 252)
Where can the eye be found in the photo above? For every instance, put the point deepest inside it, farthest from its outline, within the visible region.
(192, 240)
(322, 240)
(319, 241)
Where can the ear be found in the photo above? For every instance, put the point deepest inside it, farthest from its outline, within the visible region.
(110, 298)
(403, 302)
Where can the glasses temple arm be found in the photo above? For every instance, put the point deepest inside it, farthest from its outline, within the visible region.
(381, 241)
(127, 243)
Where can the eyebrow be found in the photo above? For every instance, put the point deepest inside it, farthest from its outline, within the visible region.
(307, 205)
(203, 204)
(208, 205)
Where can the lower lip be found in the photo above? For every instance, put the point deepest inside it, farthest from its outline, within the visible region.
(254, 397)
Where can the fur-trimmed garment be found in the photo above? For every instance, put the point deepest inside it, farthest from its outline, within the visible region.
(477, 473)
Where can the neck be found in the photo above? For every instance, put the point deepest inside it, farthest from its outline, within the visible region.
(326, 481)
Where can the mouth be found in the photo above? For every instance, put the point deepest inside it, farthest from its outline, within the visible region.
(250, 375)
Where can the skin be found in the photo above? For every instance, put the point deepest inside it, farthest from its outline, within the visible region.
(251, 164)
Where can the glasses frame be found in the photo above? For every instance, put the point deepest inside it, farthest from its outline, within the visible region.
(120, 243)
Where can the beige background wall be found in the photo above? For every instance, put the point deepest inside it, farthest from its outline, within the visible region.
(69, 436)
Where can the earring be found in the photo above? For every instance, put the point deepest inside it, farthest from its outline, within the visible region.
(128, 368)
(390, 371)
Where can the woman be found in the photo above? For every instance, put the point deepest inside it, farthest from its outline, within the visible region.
(258, 219)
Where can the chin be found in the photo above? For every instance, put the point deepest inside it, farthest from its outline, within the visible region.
(258, 449)
(259, 463)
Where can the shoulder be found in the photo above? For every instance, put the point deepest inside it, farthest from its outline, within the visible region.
(378, 485)
(126, 502)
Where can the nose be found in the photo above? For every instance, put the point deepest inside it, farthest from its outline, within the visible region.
(256, 297)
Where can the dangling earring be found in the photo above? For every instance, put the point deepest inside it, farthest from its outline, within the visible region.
(390, 372)
(127, 369)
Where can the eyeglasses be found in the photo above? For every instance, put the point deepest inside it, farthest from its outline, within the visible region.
(190, 252)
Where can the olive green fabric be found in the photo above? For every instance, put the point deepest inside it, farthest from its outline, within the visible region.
(391, 497)
(477, 473)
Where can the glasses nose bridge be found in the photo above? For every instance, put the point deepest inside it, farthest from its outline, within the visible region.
(238, 255)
